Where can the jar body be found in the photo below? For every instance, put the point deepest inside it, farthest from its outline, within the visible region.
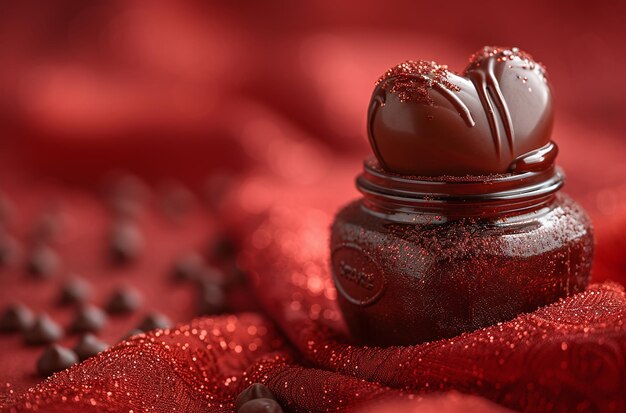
(402, 283)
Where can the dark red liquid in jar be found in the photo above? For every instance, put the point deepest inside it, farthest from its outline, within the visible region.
(417, 260)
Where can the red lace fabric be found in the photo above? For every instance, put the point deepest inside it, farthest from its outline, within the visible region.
(562, 358)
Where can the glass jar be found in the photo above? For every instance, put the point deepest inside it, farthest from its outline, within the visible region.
(419, 259)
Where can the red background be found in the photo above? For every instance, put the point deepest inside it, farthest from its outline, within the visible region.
(184, 90)
(87, 86)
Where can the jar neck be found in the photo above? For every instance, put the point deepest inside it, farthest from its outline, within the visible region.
(400, 198)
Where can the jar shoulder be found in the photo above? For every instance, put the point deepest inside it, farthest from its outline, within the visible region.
(561, 221)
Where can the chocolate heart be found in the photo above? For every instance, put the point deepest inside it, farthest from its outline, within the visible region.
(425, 120)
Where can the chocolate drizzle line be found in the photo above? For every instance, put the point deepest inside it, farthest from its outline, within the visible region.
(535, 161)
(457, 103)
(489, 91)
(378, 100)
(480, 82)
(412, 80)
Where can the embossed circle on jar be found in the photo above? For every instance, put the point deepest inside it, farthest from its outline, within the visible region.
(357, 276)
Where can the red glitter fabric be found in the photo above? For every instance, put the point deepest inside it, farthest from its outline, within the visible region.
(567, 357)
(562, 358)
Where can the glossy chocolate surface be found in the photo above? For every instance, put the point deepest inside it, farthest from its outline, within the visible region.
(8, 249)
(43, 262)
(88, 318)
(253, 392)
(153, 321)
(461, 225)
(55, 358)
(261, 406)
(75, 290)
(43, 330)
(126, 243)
(425, 120)
(413, 277)
(124, 300)
(16, 318)
(88, 346)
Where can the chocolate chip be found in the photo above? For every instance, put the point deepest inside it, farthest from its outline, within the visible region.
(125, 243)
(43, 331)
(47, 228)
(153, 321)
(128, 186)
(125, 195)
(216, 190)
(8, 250)
(55, 358)
(187, 268)
(88, 318)
(212, 299)
(88, 346)
(176, 200)
(211, 276)
(6, 209)
(223, 248)
(43, 262)
(234, 277)
(131, 333)
(125, 208)
(254, 391)
(261, 406)
(123, 301)
(238, 275)
(75, 290)
(16, 318)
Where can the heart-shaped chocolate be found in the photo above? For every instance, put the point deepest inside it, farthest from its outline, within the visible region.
(425, 120)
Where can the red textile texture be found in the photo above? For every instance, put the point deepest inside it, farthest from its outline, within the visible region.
(566, 357)
(277, 92)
